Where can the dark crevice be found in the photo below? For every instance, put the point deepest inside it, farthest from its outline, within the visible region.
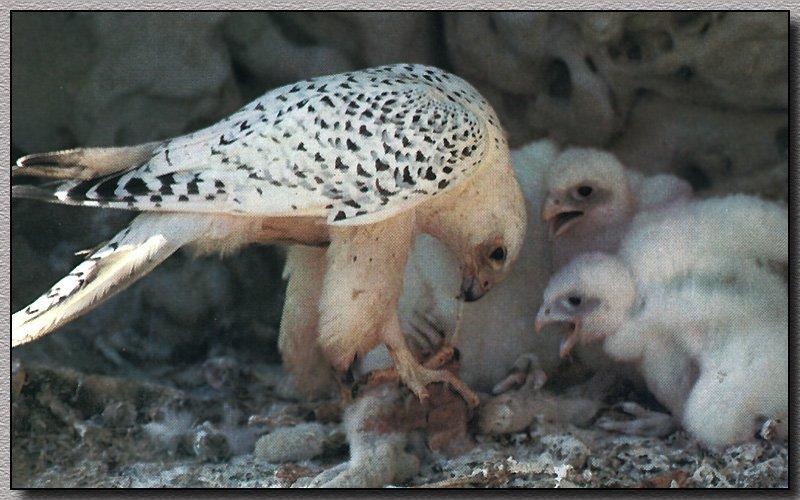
(440, 57)
(782, 142)
(290, 29)
(242, 74)
(590, 64)
(632, 47)
(695, 176)
(492, 24)
(559, 80)
(685, 73)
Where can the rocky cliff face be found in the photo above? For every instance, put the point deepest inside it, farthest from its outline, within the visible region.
(703, 95)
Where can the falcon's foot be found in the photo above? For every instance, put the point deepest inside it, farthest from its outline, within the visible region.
(417, 377)
(442, 357)
(382, 376)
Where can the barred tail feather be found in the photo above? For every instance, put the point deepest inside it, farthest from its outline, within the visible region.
(131, 254)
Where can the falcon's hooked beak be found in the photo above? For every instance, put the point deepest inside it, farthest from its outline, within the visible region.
(559, 215)
(546, 318)
(471, 289)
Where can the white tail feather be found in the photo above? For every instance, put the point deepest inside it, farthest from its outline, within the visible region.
(83, 163)
(131, 254)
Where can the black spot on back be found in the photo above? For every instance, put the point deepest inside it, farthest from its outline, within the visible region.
(360, 171)
(136, 187)
(340, 165)
(407, 177)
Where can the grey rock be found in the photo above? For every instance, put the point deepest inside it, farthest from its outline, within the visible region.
(567, 449)
(300, 442)
(119, 414)
(209, 444)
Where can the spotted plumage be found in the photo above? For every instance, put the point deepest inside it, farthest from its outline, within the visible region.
(368, 144)
(386, 152)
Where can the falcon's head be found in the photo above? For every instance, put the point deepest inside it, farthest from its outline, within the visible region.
(587, 300)
(484, 225)
(587, 188)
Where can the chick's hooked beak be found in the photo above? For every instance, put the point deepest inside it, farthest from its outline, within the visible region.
(546, 317)
(559, 214)
(471, 289)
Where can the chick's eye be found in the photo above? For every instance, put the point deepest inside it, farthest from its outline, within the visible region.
(498, 254)
(585, 191)
(575, 301)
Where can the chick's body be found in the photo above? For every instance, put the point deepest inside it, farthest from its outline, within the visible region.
(697, 298)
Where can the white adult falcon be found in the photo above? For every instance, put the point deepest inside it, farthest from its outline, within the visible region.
(360, 161)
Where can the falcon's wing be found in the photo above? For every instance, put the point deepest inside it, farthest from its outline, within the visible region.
(355, 148)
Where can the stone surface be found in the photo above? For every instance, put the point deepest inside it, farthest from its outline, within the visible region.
(73, 429)
(300, 442)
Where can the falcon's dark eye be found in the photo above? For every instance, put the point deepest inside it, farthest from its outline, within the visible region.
(575, 301)
(585, 191)
(498, 254)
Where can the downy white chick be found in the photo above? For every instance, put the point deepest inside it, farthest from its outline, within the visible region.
(708, 235)
(709, 339)
(592, 199)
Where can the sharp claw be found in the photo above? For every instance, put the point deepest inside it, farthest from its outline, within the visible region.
(417, 376)
(441, 358)
(455, 384)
